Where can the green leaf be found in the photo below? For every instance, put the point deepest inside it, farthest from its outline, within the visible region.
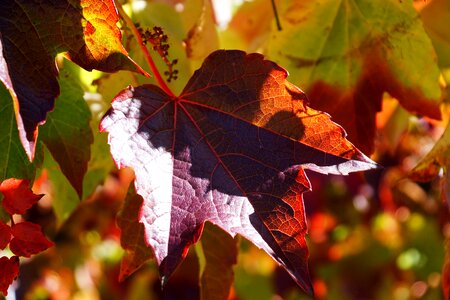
(14, 162)
(67, 133)
(64, 196)
(100, 165)
(435, 18)
(436, 160)
(346, 54)
(220, 254)
(202, 38)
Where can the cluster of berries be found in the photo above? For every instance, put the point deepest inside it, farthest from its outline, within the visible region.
(158, 39)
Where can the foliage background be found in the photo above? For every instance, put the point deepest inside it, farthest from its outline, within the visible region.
(378, 235)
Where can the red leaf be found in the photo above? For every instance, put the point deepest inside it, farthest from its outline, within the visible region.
(9, 271)
(28, 239)
(132, 236)
(18, 195)
(33, 33)
(231, 149)
(5, 235)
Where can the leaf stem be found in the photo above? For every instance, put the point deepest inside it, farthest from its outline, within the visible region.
(275, 12)
(144, 49)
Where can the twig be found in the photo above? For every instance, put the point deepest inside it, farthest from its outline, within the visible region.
(144, 49)
(275, 12)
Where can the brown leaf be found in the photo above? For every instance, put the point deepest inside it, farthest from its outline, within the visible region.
(132, 236)
(220, 251)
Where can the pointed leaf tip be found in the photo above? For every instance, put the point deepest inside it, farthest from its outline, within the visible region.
(231, 149)
(18, 195)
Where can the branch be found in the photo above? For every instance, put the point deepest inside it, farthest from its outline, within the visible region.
(275, 12)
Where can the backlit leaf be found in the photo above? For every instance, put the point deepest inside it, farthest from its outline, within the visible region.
(251, 23)
(64, 196)
(202, 37)
(28, 239)
(18, 196)
(14, 162)
(5, 235)
(435, 18)
(153, 14)
(436, 160)
(10, 270)
(231, 149)
(346, 54)
(33, 32)
(67, 133)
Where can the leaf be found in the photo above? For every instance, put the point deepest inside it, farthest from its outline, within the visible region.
(10, 270)
(251, 24)
(346, 54)
(28, 239)
(230, 150)
(435, 20)
(5, 235)
(202, 38)
(153, 14)
(436, 160)
(33, 32)
(18, 195)
(63, 195)
(14, 162)
(67, 133)
(132, 235)
(220, 251)
(99, 165)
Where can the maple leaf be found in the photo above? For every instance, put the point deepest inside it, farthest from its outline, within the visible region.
(231, 149)
(10, 270)
(346, 54)
(18, 195)
(32, 33)
(28, 239)
(5, 235)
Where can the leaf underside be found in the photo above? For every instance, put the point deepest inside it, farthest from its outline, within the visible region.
(231, 149)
